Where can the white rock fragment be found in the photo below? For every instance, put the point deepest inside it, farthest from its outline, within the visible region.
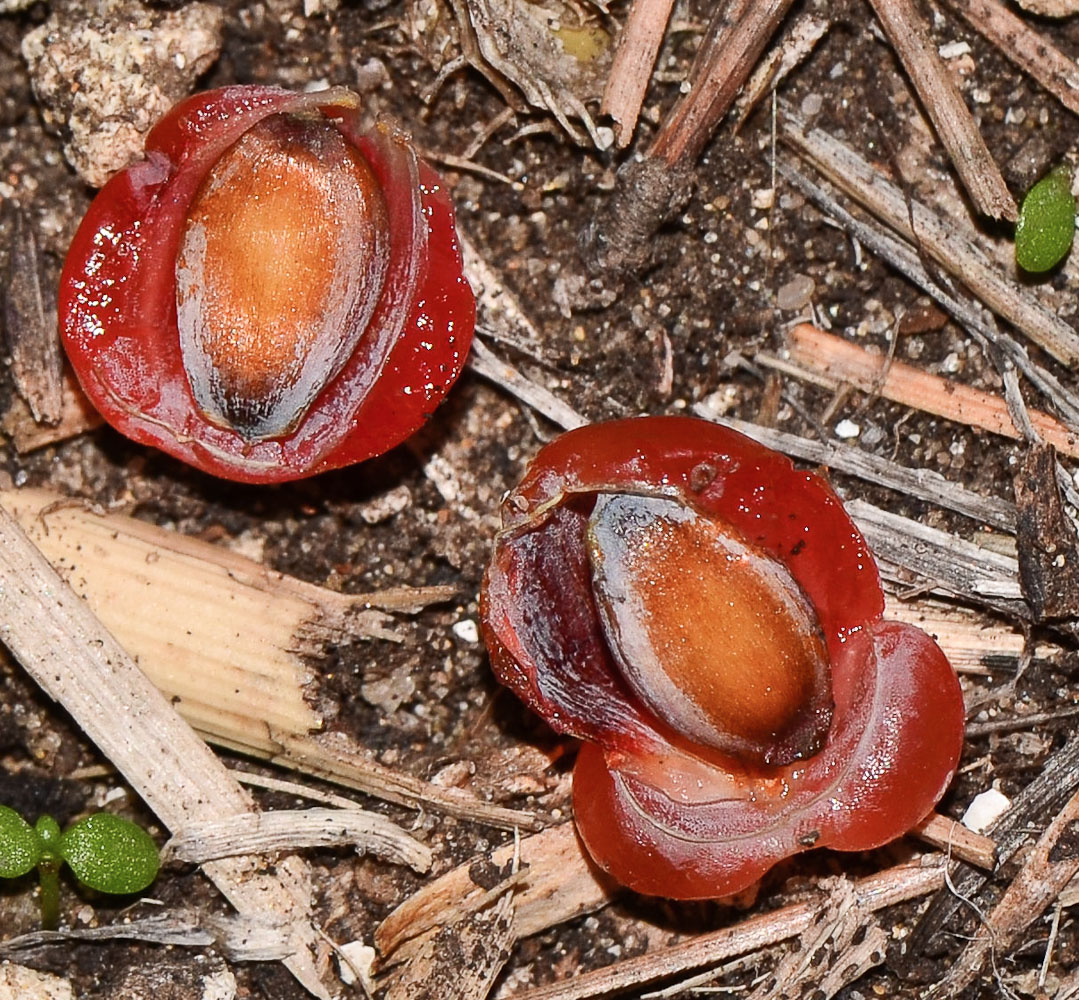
(985, 809)
(847, 430)
(356, 962)
(953, 50)
(763, 198)
(466, 630)
(105, 72)
(385, 506)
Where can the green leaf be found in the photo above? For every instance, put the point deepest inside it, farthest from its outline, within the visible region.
(1046, 226)
(110, 854)
(20, 848)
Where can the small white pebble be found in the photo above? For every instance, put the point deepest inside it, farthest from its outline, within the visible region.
(764, 198)
(985, 808)
(953, 50)
(467, 630)
(356, 960)
(847, 429)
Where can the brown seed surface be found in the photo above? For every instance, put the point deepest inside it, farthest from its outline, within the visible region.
(714, 635)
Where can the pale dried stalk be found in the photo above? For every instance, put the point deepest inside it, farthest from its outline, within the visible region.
(875, 892)
(1052, 863)
(561, 882)
(239, 939)
(499, 306)
(77, 414)
(906, 30)
(826, 954)
(716, 80)
(225, 638)
(838, 361)
(335, 757)
(904, 258)
(287, 829)
(925, 484)
(461, 960)
(1030, 50)
(631, 70)
(972, 642)
(956, 840)
(940, 239)
(31, 328)
(66, 650)
(483, 361)
(943, 560)
(795, 48)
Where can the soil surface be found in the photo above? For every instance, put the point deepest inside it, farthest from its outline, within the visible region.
(729, 272)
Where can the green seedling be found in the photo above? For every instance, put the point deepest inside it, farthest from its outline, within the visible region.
(1046, 225)
(105, 852)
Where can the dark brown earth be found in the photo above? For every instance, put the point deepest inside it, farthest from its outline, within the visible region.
(708, 298)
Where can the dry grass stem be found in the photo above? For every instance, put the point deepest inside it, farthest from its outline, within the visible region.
(942, 560)
(826, 957)
(288, 829)
(243, 686)
(36, 365)
(832, 361)
(631, 71)
(1030, 50)
(559, 883)
(501, 309)
(904, 24)
(336, 757)
(875, 892)
(926, 484)
(905, 258)
(483, 361)
(1046, 871)
(794, 48)
(957, 841)
(942, 240)
(77, 414)
(461, 960)
(1045, 795)
(718, 74)
(973, 643)
(67, 651)
(238, 938)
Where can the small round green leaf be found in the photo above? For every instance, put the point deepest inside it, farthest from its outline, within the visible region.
(1046, 226)
(20, 848)
(110, 854)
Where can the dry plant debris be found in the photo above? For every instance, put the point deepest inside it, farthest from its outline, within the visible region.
(770, 209)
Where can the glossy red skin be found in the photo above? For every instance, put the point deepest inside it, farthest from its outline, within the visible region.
(117, 303)
(897, 726)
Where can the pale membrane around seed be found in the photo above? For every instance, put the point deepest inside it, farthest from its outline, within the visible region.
(712, 634)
